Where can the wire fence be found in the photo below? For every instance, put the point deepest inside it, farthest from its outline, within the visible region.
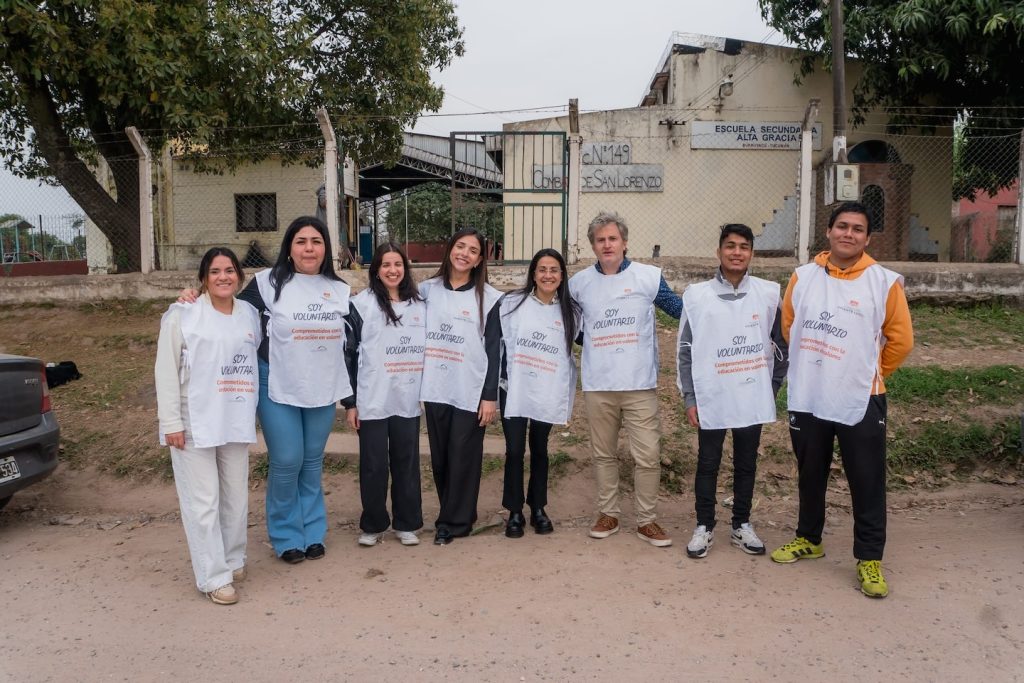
(935, 195)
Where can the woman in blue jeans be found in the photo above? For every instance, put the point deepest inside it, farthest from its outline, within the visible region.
(302, 377)
(302, 305)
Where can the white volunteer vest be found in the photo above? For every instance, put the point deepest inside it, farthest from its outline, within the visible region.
(732, 354)
(220, 354)
(620, 342)
(455, 360)
(835, 341)
(390, 358)
(541, 371)
(306, 330)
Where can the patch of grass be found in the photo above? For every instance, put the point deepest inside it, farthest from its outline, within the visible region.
(665, 320)
(337, 464)
(492, 465)
(971, 325)
(570, 439)
(259, 468)
(962, 446)
(935, 385)
(558, 463)
(78, 446)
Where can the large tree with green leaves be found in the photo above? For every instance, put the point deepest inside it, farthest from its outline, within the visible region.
(239, 75)
(928, 62)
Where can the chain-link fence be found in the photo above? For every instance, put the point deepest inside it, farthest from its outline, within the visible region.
(946, 194)
(37, 238)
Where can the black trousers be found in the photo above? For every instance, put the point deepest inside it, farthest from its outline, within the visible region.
(745, 442)
(390, 446)
(456, 456)
(519, 431)
(862, 448)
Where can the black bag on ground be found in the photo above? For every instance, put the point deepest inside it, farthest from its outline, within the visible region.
(61, 373)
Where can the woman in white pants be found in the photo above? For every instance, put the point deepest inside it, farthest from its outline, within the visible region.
(207, 387)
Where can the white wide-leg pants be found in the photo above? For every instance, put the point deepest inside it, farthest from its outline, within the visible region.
(213, 491)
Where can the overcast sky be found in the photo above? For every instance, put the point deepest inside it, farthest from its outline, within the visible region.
(525, 54)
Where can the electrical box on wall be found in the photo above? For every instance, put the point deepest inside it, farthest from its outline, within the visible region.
(847, 183)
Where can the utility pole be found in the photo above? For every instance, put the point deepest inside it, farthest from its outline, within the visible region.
(838, 84)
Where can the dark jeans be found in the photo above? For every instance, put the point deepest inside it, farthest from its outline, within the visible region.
(456, 456)
(390, 445)
(745, 442)
(862, 448)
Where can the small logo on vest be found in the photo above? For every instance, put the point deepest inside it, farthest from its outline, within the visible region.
(327, 295)
(627, 290)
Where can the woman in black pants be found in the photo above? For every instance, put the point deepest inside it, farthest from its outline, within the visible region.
(387, 326)
(538, 325)
(460, 378)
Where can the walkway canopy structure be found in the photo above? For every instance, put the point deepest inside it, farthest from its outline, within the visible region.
(431, 158)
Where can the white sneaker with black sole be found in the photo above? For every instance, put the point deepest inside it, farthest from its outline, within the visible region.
(367, 539)
(700, 543)
(746, 540)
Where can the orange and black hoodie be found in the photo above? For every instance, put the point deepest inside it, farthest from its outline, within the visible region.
(897, 330)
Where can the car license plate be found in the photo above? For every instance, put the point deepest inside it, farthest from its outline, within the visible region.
(8, 469)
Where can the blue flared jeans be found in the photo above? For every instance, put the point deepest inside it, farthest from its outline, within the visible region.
(296, 513)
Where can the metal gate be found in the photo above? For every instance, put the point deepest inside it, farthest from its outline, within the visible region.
(513, 188)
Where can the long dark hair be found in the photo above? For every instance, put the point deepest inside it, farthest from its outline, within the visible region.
(207, 261)
(571, 310)
(407, 290)
(478, 276)
(283, 269)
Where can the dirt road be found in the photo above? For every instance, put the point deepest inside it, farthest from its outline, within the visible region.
(88, 600)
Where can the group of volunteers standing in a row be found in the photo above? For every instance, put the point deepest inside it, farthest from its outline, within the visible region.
(294, 343)
(295, 340)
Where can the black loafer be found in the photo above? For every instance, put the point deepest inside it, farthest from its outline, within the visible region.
(315, 551)
(443, 537)
(540, 522)
(514, 525)
(293, 556)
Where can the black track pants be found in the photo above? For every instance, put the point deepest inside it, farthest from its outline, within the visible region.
(862, 448)
(745, 442)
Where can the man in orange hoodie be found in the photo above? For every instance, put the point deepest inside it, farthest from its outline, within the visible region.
(848, 327)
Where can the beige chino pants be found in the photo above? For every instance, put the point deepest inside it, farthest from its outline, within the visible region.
(607, 411)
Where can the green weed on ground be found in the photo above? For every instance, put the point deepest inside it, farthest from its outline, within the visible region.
(969, 326)
(960, 446)
(934, 385)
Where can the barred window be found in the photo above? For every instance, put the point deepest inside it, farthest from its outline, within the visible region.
(255, 212)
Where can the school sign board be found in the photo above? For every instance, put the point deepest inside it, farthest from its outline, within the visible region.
(750, 135)
(606, 167)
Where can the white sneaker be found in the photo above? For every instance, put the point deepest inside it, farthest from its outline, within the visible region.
(746, 540)
(407, 537)
(700, 543)
(370, 539)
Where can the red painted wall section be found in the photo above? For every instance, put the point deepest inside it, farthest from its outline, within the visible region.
(44, 268)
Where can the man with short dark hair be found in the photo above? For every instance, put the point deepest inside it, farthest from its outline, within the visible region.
(848, 326)
(731, 362)
(620, 372)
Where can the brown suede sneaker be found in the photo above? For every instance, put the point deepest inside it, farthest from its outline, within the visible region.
(604, 527)
(654, 534)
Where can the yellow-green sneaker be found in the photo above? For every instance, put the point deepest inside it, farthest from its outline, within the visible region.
(872, 583)
(798, 549)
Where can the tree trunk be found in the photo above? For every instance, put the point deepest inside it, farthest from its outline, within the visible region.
(117, 219)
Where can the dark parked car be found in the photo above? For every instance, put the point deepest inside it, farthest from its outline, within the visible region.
(29, 433)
